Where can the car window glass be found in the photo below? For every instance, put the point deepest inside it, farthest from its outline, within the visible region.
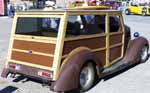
(85, 25)
(37, 26)
(114, 24)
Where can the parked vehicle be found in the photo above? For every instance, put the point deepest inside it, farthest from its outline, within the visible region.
(113, 4)
(70, 48)
(138, 9)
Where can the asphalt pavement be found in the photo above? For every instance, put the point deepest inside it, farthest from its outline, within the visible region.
(133, 80)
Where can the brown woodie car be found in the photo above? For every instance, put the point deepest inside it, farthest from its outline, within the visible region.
(70, 48)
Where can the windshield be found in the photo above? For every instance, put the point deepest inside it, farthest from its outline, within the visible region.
(46, 27)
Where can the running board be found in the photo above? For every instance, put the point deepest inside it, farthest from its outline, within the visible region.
(120, 65)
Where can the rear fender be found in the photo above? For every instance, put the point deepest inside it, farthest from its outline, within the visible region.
(134, 48)
(68, 77)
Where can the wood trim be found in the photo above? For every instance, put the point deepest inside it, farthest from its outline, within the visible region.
(11, 39)
(33, 40)
(59, 45)
(116, 33)
(123, 37)
(30, 64)
(107, 41)
(36, 38)
(98, 49)
(122, 33)
(84, 37)
(34, 52)
(40, 15)
(115, 45)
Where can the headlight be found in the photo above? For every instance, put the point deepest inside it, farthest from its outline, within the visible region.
(136, 34)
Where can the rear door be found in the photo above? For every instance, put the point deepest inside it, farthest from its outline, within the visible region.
(34, 40)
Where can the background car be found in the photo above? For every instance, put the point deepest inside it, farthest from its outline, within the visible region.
(138, 9)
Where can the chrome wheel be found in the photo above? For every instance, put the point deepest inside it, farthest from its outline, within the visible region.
(144, 54)
(87, 77)
(127, 12)
(143, 13)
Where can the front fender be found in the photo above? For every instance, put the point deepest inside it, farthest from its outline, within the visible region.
(134, 48)
(69, 73)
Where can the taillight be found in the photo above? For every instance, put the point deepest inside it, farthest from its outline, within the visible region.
(45, 74)
(14, 66)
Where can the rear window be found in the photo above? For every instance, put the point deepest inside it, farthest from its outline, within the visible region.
(47, 27)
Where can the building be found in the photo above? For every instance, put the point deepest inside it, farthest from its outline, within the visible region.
(30, 3)
(3, 7)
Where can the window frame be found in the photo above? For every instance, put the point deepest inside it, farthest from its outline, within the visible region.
(37, 16)
(88, 35)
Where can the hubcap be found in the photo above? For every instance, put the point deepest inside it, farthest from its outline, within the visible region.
(127, 12)
(144, 54)
(86, 77)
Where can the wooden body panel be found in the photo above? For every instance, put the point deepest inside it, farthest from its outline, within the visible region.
(38, 53)
(116, 46)
(101, 55)
(32, 58)
(92, 43)
(35, 46)
(115, 53)
(115, 39)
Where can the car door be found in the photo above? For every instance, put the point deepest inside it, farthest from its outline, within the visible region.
(116, 38)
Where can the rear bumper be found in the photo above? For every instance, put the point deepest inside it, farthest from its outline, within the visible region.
(32, 73)
(26, 71)
(29, 72)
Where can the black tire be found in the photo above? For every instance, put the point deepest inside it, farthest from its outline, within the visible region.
(127, 12)
(143, 13)
(87, 77)
(144, 54)
(71, 91)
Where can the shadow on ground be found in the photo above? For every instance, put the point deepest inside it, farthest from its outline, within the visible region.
(117, 73)
(8, 89)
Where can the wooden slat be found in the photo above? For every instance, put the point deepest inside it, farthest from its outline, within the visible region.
(32, 58)
(35, 46)
(114, 39)
(92, 43)
(114, 54)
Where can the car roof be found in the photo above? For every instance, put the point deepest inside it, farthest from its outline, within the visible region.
(87, 9)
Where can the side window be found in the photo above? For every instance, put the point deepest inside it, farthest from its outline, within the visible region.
(114, 24)
(85, 25)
